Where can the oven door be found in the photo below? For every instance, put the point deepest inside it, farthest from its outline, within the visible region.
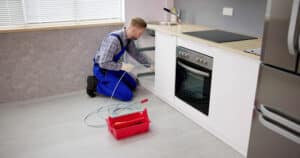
(193, 84)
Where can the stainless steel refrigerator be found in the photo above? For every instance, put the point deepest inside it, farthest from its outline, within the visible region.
(275, 131)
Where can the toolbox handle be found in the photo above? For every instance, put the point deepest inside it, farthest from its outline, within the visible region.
(144, 101)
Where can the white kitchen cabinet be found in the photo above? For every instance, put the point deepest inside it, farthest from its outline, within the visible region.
(233, 86)
(234, 82)
(165, 58)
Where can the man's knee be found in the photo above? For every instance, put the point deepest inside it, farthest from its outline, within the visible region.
(125, 95)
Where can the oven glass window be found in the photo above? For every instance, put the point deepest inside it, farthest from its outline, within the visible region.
(193, 85)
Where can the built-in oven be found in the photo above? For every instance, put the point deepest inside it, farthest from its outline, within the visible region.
(193, 78)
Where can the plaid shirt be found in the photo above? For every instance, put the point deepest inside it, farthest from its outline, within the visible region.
(110, 47)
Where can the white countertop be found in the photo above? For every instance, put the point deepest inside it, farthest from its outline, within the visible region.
(236, 47)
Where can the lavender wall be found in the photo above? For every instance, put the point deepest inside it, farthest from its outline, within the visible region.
(248, 16)
(45, 63)
(149, 10)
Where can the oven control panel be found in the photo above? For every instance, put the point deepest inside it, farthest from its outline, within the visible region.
(194, 57)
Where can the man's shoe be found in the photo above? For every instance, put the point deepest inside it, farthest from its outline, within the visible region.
(90, 93)
(91, 86)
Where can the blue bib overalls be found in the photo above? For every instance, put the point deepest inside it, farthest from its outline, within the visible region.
(108, 79)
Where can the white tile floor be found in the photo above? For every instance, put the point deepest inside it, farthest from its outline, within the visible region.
(53, 127)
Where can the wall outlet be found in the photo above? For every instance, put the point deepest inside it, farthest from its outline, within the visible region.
(227, 11)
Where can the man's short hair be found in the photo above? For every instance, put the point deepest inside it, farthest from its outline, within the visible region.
(138, 22)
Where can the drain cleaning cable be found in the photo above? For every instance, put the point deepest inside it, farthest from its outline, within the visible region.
(113, 109)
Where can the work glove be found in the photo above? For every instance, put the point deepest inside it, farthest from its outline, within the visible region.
(127, 67)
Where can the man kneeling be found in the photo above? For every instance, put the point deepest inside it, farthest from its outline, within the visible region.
(108, 68)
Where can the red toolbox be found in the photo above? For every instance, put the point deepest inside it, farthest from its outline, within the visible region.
(129, 124)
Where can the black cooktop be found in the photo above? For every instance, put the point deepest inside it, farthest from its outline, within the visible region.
(219, 36)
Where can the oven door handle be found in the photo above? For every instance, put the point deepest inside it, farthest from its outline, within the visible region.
(195, 71)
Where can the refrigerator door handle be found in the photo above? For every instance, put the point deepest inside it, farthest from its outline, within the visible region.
(278, 130)
(291, 40)
(299, 43)
(269, 113)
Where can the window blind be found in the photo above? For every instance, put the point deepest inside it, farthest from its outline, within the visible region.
(98, 9)
(11, 12)
(16, 12)
(40, 11)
